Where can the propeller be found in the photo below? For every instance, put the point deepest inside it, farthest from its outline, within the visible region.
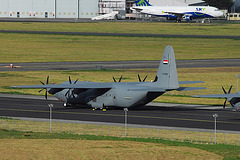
(70, 81)
(120, 79)
(140, 80)
(229, 91)
(45, 88)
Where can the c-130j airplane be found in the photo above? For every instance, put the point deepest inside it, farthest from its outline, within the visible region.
(121, 94)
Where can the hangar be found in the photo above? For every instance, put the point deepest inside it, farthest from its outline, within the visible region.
(48, 8)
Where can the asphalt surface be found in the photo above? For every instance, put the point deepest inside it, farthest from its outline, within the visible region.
(118, 65)
(154, 114)
(120, 34)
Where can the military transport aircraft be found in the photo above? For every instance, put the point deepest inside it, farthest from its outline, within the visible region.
(119, 94)
(233, 99)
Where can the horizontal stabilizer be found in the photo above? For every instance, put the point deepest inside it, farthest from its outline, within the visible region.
(190, 82)
(190, 88)
(235, 95)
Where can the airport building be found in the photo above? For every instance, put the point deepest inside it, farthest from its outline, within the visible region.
(74, 8)
(48, 8)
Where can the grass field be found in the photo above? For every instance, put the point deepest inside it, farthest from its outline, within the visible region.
(51, 48)
(199, 137)
(214, 79)
(30, 145)
(62, 48)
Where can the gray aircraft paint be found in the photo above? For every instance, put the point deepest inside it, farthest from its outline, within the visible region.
(120, 94)
(233, 99)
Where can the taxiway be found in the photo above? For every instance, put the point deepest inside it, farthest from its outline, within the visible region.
(153, 114)
(118, 65)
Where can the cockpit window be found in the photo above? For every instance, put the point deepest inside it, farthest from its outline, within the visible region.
(216, 10)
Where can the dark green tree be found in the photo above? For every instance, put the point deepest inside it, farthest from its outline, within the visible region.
(221, 4)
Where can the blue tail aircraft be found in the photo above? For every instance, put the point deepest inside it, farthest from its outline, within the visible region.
(177, 12)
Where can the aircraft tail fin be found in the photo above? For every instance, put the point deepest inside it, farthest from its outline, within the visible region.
(142, 3)
(167, 77)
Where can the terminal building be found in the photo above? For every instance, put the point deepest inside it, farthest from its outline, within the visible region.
(77, 8)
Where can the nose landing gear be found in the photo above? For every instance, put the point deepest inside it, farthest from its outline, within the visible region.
(66, 105)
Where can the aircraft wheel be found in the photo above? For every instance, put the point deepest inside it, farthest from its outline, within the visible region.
(179, 20)
(66, 105)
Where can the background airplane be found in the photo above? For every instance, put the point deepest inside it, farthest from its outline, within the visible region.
(233, 99)
(177, 12)
(12, 66)
(119, 94)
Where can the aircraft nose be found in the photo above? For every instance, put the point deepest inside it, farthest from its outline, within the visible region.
(220, 14)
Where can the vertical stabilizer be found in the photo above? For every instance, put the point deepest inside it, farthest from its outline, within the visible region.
(167, 72)
(142, 3)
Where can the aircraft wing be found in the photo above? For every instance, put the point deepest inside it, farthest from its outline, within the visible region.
(148, 89)
(189, 88)
(234, 95)
(70, 86)
(175, 13)
(190, 82)
(138, 9)
(152, 89)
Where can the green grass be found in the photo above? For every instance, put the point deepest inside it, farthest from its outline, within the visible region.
(227, 151)
(63, 48)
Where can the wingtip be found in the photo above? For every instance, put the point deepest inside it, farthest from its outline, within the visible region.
(195, 96)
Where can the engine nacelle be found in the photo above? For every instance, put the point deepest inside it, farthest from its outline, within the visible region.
(236, 107)
(187, 17)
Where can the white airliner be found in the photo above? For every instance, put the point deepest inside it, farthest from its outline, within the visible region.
(177, 12)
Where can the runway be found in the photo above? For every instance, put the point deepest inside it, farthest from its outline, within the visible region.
(120, 34)
(118, 65)
(153, 114)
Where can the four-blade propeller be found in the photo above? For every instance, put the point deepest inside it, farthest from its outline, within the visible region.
(45, 88)
(70, 81)
(229, 91)
(120, 79)
(140, 80)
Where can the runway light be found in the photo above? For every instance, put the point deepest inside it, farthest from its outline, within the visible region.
(215, 126)
(50, 119)
(125, 110)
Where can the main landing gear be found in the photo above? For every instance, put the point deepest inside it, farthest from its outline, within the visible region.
(103, 108)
